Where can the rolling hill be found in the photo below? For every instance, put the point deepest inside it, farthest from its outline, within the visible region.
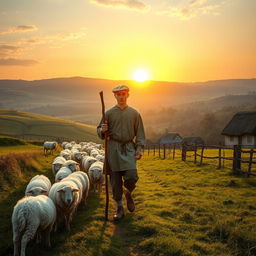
(34, 126)
(24, 95)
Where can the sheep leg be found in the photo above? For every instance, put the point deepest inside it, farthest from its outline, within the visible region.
(16, 243)
(47, 233)
(67, 225)
(27, 236)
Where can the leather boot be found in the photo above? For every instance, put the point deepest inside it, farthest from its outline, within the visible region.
(129, 201)
(119, 213)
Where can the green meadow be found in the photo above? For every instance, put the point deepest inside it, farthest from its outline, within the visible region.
(182, 209)
(13, 122)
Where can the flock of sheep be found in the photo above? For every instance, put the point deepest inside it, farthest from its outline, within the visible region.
(47, 206)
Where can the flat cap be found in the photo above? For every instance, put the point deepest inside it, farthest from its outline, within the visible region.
(121, 88)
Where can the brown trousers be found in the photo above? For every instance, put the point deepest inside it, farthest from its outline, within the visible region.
(127, 178)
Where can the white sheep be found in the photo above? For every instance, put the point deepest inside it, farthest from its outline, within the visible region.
(100, 158)
(57, 164)
(72, 165)
(68, 146)
(63, 144)
(38, 185)
(94, 153)
(66, 154)
(50, 145)
(62, 173)
(96, 176)
(32, 215)
(76, 155)
(83, 177)
(65, 195)
(78, 183)
(87, 161)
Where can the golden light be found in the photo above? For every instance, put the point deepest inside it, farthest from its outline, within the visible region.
(140, 75)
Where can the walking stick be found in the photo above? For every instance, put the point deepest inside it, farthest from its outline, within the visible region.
(106, 156)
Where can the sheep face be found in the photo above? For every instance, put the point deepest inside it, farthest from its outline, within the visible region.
(72, 167)
(56, 167)
(95, 174)
(61, 177)
(66, 156)
(67, 195)
(78, 156)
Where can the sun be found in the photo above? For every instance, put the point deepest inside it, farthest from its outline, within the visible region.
(140, 75)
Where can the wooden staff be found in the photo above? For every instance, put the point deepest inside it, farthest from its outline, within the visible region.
(106, 155)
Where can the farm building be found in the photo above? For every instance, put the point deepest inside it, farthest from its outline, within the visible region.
(170, 138)
(241, 130)
(193, 141)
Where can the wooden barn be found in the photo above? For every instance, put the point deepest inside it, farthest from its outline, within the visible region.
(193, 141)
(241, 130)
(170, 138)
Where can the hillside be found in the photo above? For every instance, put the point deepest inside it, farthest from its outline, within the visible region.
(34, 126)
(24, 95)
(221, 102)
(182, 209)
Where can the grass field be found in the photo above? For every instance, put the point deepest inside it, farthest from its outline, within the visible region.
(181, 210)
(14, 122)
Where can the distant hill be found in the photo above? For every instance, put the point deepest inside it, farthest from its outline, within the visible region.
(23, 95)
(36, 126)
(221, 102)
(78, 99)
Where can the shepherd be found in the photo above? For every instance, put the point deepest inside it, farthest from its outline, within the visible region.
(125, 141)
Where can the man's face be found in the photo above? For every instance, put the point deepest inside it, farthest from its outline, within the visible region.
(121, 97)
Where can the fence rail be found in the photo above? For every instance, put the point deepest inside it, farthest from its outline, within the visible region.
(197, 152)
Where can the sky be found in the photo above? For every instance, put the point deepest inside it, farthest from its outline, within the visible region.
(173, 40)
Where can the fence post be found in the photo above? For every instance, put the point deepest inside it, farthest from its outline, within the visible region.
(237, 158)
(219, 165)
(164, 151)
(148, 149)
(169, 152)
(173, 153)
(250, 163)
(183, 152)
(159, 151)
(195, 152)
(154, 149)
(202, 155)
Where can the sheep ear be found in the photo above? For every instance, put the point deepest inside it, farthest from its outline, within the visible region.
(60, 190)
(44, 191)
(30, 191)
(75, 190)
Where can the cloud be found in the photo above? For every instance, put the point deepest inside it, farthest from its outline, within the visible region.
(17, 62)
(30, 41)
(70, 36)
(19, 29)
(132, 4)
(194, 8)
(7, 50)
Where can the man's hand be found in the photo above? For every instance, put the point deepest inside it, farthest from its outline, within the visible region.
(104, 127)
(138, 155)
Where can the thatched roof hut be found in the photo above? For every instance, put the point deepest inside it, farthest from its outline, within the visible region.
(241, 130)
(242, 123)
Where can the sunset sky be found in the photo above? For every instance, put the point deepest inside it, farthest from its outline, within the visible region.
(174, 40)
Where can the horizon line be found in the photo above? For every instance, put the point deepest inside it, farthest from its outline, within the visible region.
(131, 80)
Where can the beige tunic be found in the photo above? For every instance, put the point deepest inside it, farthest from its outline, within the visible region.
(123, 125)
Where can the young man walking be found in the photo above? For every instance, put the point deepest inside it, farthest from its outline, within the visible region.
(126, 139)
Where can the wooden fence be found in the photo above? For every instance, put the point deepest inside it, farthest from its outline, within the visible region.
(197, 154)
